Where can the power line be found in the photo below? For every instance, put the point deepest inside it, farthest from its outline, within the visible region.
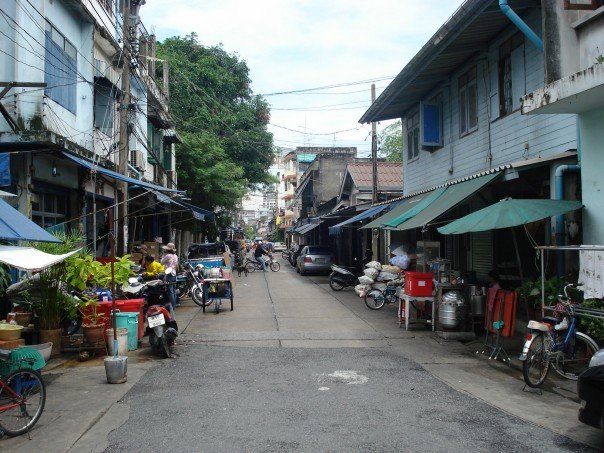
(324, 87)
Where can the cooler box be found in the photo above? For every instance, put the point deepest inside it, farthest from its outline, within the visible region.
(418, 284)
(129, 320)
(125, 305)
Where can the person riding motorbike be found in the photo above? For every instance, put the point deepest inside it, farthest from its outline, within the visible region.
(258, 252)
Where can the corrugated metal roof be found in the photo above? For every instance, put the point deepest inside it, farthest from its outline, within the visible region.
(390, 175)
(469, 31)
(306, 158)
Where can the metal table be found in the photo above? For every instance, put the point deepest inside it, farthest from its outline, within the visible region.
(404, 310)
(216, 298)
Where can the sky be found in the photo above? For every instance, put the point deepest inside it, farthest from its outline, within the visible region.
(299, 45)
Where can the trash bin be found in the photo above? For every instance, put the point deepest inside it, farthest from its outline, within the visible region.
(129, 320)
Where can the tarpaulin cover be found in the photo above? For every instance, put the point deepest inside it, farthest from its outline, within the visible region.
(374, 210)
(29, 258)
(14, 226)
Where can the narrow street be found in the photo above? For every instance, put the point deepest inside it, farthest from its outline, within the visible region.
(297, 367)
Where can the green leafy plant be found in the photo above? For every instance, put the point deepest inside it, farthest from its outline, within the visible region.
(593, 327)
(89, 310)
(86, 272)
(530, 291)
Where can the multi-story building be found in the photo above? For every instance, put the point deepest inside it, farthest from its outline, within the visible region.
(573, 41)
(466, 142)
(62, 72)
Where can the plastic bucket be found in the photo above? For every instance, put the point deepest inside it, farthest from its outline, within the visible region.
(122, 341)
(129, 320)
(116, 369)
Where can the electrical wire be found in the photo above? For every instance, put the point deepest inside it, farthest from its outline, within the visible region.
(338, 85)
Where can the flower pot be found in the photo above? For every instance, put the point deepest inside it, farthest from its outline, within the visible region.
(23, 318)
(93, 334)
(52, 336)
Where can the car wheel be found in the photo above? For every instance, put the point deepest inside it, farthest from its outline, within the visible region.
(298, 269)
(302, 271)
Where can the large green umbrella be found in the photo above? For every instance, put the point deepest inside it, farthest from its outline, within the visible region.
(509, 213)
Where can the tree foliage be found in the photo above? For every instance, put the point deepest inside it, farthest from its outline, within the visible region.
(391, 142)
(226, 144)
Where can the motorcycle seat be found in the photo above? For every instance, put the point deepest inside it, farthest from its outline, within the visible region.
(542, 326)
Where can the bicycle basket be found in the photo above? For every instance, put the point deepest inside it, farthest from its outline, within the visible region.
(22, 358)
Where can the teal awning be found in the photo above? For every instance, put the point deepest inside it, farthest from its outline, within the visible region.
(398, 208)
(509, 213)
(14, 226)
(418, 207)
(452, 196)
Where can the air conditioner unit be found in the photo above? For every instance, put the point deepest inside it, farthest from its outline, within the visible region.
(136, 159)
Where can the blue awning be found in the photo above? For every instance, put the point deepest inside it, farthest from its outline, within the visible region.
(198, 213)
(337, 229)
(306, 228)
(14, 226)
(115, 175)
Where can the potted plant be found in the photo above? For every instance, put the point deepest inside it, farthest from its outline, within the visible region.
(530, 293)
(51, 302)
(93, 323)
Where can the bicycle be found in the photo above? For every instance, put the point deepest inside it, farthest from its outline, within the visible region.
(251, 264)
(376, 299)
(22, 397)
(557, 344)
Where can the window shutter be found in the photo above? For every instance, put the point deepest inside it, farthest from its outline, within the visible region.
(430, 124)
(482, 254)
(518, 77)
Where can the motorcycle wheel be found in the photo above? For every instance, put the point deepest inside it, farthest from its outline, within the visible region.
(165, 348)
(275, 266)
(198, 297)
(335, 285)
(250, 266)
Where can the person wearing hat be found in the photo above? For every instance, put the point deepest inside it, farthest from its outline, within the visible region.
(170, 259)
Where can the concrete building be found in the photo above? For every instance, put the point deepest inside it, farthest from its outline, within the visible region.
(573, 41)
(61, 68)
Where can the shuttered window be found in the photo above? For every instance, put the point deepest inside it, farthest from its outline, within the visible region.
(482, 254)
(60, 69)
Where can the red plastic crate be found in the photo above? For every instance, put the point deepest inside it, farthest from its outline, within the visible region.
(418, 284)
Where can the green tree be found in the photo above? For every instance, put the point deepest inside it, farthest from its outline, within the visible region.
(391, 142)
(210, 95)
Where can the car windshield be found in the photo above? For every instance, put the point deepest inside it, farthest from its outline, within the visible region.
(314, 250)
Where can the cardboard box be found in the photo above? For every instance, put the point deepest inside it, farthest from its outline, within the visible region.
(153, 248)
(136, 257)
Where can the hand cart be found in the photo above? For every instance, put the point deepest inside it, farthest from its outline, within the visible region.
(216, 289)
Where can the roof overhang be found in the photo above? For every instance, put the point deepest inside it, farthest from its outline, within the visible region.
(469, 31)
(576, 93)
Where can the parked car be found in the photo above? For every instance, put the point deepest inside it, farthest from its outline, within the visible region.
(314, 258)
(590, 388)
(279, 247)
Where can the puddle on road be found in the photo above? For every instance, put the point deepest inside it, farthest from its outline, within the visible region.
(343, 377)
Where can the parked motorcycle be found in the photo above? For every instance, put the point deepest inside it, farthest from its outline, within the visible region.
(194, 284)
(162, 329)
(342, 277)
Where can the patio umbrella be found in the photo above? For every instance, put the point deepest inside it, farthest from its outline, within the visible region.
(509, 213)
(14, 226)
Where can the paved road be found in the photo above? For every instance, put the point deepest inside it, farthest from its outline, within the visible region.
(294, 369)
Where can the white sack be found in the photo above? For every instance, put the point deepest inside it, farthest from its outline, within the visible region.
(364, 280)
(386, 276)
(371, 273)
(374, 265)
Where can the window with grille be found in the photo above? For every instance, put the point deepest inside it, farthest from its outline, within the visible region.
(413, 136)
(60, 69)
(511, 74)
(468, 102)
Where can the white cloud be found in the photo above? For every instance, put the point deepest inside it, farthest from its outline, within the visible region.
(302, 44)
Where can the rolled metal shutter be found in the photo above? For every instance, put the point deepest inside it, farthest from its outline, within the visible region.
(482, 253)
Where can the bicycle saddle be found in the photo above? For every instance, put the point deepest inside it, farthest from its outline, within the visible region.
(536, 325)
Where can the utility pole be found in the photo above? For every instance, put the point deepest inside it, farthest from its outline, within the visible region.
(374, 237)
(124, 145)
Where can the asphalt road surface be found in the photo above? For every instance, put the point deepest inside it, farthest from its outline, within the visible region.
(225, 397)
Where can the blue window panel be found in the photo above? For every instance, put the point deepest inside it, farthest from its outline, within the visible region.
(431, 129)
(5, 170)
(60, 75)
(104, 107)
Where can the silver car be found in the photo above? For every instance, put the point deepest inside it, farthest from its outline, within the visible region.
(279, 247)
(314, 258)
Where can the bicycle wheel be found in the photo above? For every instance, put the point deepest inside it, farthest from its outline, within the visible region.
(21, 401)
(275, 266)
(536, 365)
(250, 266)
(375, 299)
(575, 358)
